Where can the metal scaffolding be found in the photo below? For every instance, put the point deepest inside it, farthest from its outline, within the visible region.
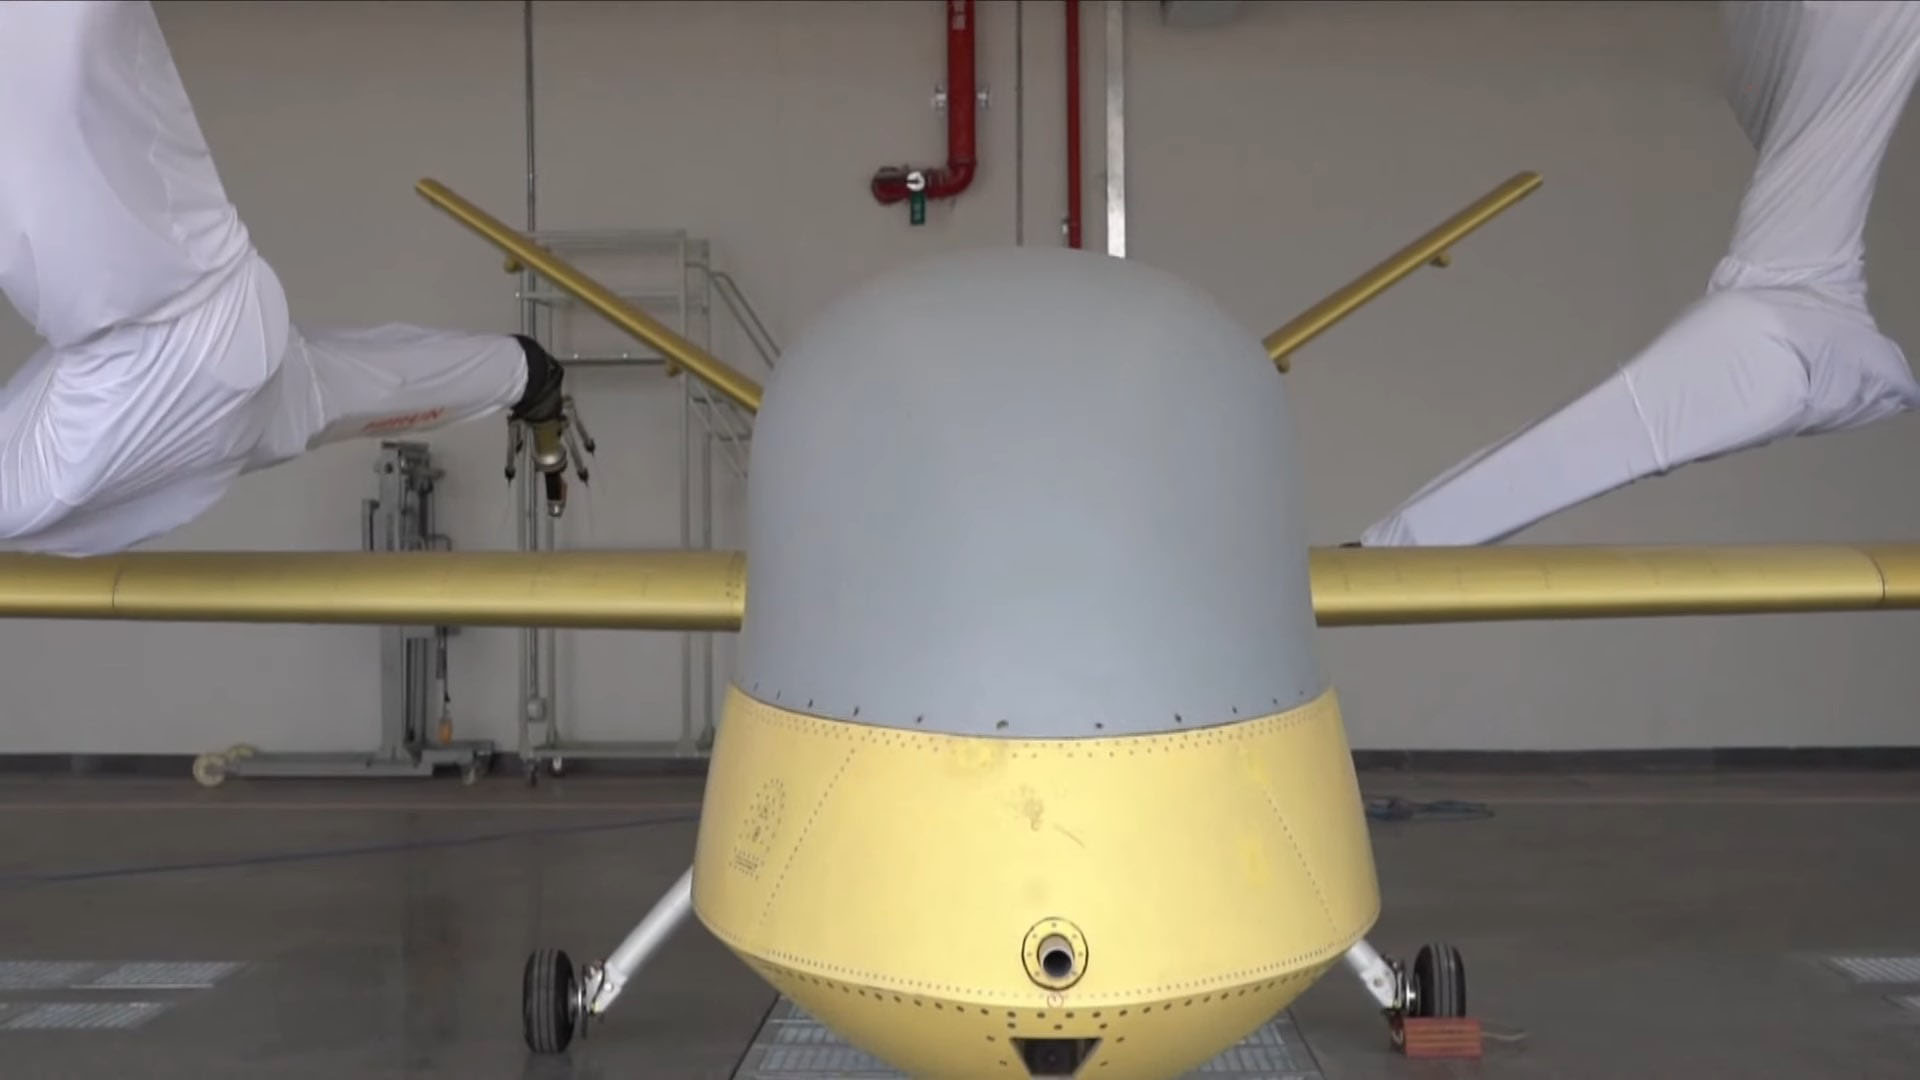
(669, 274)
(685, 303)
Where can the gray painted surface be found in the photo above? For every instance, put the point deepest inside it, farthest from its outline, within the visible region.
(1027, 492)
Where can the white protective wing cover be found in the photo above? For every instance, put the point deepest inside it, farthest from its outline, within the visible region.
(170, 365)
(1782, 342)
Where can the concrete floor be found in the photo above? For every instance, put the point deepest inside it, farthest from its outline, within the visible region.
(1618, 926)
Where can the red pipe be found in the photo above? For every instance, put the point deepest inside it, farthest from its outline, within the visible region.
(1073, 123)
(946, 181)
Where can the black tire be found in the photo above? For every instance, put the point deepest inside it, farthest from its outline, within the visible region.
(1440, 980)
(547, 992)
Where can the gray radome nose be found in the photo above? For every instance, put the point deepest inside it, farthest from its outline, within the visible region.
(1027, 493)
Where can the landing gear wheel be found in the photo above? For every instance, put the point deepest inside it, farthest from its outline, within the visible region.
(550, 1002)
(210, 770)
(1439, 982)
(1436, 987)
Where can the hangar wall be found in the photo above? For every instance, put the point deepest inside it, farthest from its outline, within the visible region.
(1269, 161)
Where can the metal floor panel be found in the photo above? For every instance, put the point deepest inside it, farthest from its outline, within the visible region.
(791, 1045)
(1879, 969)
(42, 974)
(164, 975)
(83, 1015)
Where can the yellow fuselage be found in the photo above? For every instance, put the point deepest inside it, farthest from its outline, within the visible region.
(942, 901)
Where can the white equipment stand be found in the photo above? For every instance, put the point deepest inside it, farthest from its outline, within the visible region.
(413, 659)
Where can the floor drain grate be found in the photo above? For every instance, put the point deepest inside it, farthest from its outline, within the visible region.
(42, 974)
(1878, 969)
(791, 1045)
(1275, 1052)
(192, 975)
(82, 1016)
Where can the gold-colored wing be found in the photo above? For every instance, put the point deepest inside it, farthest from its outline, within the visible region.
(1430, 248)
(706, 591)
(1385, 586)
(679, 352)
(699, 590)
(628, 590)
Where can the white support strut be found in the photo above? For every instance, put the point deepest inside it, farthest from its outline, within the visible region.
(1375, 974)
(646, 939)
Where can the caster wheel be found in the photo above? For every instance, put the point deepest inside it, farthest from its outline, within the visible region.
(1439, 982)
(549, 1001)
(241, 750)
(210, 770)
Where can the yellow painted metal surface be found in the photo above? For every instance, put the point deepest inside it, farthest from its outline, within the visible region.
(896, 883)
(678, 350)
(635, 590)
(696, 590)
(1358, 587)
(1429, 249)
(1899, 568)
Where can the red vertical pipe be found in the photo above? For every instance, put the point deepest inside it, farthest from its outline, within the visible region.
(962, 97)
(1073, 123)
(946, 181)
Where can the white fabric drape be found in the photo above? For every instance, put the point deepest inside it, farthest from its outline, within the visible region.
(170, 366)
(1782, 342)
